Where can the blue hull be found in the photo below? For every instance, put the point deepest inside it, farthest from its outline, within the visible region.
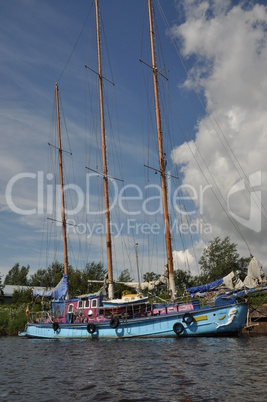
(211, 321)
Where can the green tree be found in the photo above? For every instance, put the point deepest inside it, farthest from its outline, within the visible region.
(17, 276)
(78, 279)
(48, 277)
(219, 259)
(183, 280)
(1, 291)
(55, 273)
(76, 284)
(40, 278)
(150, 277)
(95, 272)
(124, 276)
(22, 296)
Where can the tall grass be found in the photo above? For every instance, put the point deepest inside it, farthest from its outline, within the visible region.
(12, 319)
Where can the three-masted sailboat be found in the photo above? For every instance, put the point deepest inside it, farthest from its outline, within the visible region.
(99, 318)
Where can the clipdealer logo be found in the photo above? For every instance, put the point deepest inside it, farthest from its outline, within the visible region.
(46, 201)
(253, 222)
(44, 197)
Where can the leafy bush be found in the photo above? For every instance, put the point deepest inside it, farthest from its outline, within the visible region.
(4, 318)
(12, 319)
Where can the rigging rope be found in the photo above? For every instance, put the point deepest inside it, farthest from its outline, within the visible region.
(75, 45)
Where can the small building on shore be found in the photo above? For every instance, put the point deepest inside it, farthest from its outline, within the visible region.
(9, 290)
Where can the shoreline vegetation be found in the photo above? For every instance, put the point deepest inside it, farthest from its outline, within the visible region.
(12, 319)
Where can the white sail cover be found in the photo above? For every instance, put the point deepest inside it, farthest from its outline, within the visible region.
(232, 281)
(255, 275)
(163, 280)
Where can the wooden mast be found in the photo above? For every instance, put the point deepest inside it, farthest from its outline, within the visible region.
(161, 156)
(104, 161)
(62, 187)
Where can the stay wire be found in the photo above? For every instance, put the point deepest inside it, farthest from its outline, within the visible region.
(75, 45)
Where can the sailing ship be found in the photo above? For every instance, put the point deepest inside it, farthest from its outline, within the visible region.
(101, 316)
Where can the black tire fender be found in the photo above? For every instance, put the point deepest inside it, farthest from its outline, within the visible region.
(178, 328)
(114, 322)
(55, 326)
(91, 328)
(188, 318)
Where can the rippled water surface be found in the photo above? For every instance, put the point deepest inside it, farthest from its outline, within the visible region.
(203, 369)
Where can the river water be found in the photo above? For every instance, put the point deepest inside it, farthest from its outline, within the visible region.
(200, 369)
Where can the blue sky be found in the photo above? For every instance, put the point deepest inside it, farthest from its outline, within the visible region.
(223, 45)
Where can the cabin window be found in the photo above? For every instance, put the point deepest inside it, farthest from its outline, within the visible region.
(80, 304)
(70, 309)
(94, 303)
(87, 304)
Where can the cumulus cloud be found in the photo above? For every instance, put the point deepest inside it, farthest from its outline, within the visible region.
(228, 46)
(186, 260)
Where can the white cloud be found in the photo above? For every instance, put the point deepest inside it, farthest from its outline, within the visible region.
(228, 45)
(187, 260)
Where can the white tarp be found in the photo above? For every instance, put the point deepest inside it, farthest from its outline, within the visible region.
(231, 281)
(255, 275)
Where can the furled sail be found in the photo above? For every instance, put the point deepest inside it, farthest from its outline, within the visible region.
(163, 280)
(59, 292)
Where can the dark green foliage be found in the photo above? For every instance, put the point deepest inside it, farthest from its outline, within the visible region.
(95, 272)
(17, 276)
(183, 280)
(76, 285)
(150, 277)
(12, 319)
(17, 321)
(40, 276)
(1, 291)
(78, 279)
(219, 259)
(257, 300)
(49, 277)
(4, 319)
(22, 296)
(125, 276)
